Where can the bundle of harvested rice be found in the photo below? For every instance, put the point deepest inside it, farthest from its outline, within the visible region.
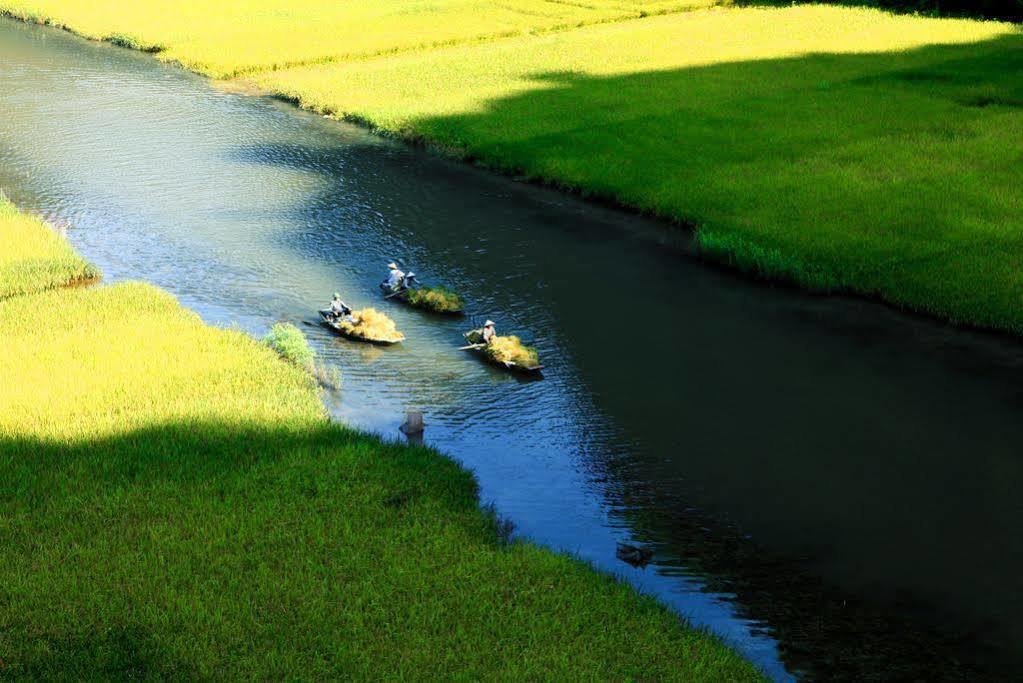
(371, 324)
(510, 349)
(437, 299)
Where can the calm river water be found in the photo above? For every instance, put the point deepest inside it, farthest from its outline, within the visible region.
(831, 486)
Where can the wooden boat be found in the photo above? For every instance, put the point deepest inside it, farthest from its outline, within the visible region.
(480, 350)
(402, 296)
(328, 321)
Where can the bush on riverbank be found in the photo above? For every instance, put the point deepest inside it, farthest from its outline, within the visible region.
(33, 257)
(291, 345)
(289, 342)
(203, 519)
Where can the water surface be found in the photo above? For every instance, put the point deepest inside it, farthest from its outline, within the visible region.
(829, 485)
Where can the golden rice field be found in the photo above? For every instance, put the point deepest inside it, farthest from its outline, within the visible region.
(202, 518)
(223, 39)
(33, 257)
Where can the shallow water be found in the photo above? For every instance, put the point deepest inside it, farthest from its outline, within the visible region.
(828, 484)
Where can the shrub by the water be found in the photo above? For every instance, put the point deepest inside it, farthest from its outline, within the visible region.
(371, 324)
(437, 299)
(291, 344)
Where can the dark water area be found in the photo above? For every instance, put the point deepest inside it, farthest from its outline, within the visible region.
(829, 485)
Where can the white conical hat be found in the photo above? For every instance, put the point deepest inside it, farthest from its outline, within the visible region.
(392, 265)
(489, 323)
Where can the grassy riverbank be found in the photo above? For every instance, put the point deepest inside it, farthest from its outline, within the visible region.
(175, 503)
(33, 257)
(837, 148)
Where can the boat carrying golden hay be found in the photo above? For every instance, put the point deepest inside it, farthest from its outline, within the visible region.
(508, 352)
(369, 325)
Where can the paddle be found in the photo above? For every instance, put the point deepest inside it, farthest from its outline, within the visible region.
(388, 296)
(471, 346)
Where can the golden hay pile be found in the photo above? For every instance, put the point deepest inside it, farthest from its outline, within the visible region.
(437, 299)
(510, 349)
(373, 325)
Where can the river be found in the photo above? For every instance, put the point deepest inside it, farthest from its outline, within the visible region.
(830, 485)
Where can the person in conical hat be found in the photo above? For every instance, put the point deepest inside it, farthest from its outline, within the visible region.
(338, 308)
(489, 331)
(394, 277)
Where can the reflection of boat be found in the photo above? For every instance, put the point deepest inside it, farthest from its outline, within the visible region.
(477, 346)
(445, 302)
(349, 331)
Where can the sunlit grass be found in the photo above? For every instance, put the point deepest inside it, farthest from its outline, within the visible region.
(33, 257)
(87, 363)
(221, 39)
(175, 504)
(842, 149)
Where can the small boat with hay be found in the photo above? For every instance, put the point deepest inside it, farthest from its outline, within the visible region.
(368, 325)
(507, 352)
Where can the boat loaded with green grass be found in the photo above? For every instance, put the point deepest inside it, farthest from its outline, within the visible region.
(438, 299)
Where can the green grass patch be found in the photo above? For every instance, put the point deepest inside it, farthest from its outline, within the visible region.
(33, 257)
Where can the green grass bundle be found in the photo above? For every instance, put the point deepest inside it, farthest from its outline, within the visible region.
(436, 299)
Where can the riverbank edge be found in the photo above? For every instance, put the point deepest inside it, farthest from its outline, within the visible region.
(715, 247)
(462, 481)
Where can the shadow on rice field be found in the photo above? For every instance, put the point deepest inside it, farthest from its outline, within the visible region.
(892, 175)
(218, 549)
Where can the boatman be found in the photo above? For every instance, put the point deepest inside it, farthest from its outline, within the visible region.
(489, 332)
(409, 280)
(339, 309)
(394, 277)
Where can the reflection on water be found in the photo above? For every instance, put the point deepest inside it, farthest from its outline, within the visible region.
(827, 484)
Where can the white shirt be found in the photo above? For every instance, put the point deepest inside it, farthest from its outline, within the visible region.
(395, 278)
